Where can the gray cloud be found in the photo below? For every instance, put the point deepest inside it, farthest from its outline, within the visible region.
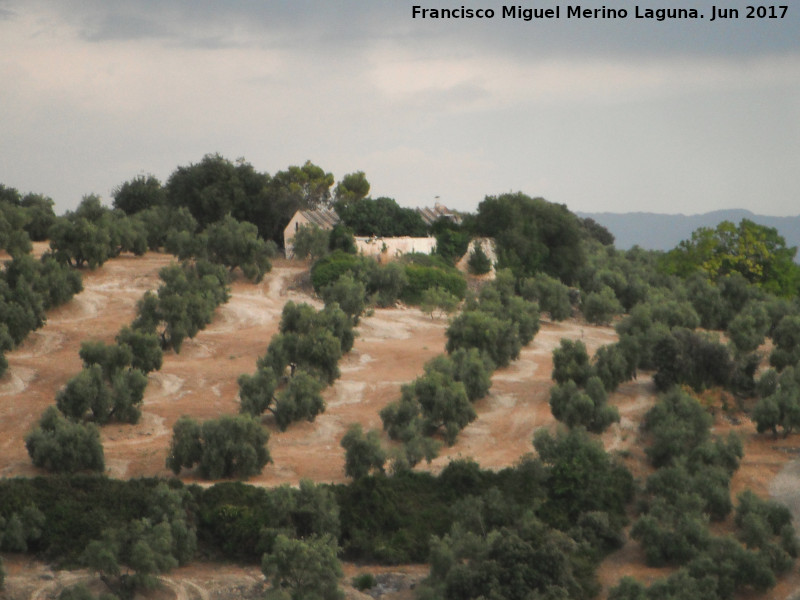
(333, 26)
(599, 115)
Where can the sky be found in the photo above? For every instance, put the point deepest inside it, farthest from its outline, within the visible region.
(603, 115)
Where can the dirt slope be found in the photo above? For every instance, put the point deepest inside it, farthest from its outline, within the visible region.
(391, 348)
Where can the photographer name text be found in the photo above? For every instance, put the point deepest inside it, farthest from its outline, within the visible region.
(577, 11)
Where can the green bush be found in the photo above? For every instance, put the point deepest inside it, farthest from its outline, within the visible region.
(478, 262)
(364, 581)
(61, 446)
(497, 338)
(600, 307)
(677, 424)
(329, 269)
(551, 295)
(421, 278)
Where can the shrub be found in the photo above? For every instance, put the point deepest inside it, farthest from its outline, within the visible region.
(571, 363)
(364, 581)
(363, 452)
(478, 263)
(386, 283)
(677, 425)
(330, 268)
(421, 278)
(551, 295)
(600, 307)
(499, 339)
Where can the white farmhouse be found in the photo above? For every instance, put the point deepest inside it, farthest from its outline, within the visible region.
(381, 249)
(324, 218)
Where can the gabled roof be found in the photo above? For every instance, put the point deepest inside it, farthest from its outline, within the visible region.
(429, 215)
(324, 218)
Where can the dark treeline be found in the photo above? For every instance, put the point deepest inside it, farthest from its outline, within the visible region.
(383, 519)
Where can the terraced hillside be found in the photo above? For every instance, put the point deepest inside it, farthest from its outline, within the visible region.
(391, 348)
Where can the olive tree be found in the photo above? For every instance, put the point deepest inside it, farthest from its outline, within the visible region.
(437, 298)
(498, 338)
(583, 407)
(113, 396)
(160, 540)
(236, 244)
(304, 569)
(779, 405)
(601, 306)
(62, 446)
(551, 295)
(231, 446)
(301, 399)
(363, 452)
(349, 293)
(310, 241)
(571, 362)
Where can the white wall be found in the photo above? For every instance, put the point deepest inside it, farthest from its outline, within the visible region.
(390, 248)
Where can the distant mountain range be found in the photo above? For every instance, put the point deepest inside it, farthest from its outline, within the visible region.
(654, 231)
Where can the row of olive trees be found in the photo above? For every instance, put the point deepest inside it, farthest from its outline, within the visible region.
(664, 310)
(488, 333)
(690, 487)
(580, 396)
(23, 218)
(93, 233)
(111, 385)
(301, 360)
(29, 288)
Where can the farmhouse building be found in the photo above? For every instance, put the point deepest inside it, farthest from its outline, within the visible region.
(379, 248)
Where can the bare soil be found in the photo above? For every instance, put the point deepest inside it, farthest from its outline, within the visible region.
(391, 348)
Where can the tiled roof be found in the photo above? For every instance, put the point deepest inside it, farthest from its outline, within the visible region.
(324, 218)
(429, 215)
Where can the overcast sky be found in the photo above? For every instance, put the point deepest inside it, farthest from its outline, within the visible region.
(600, 115)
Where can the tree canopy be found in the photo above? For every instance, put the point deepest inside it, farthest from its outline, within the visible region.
(532, 235)
(756, 252)
(381, 217)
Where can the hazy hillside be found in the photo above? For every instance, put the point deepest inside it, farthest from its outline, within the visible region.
(654, 231)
